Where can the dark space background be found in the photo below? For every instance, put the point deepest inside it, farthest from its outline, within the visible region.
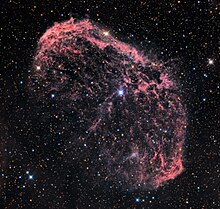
(186, 32)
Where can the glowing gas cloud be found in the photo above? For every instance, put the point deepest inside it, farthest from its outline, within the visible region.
(128, 120)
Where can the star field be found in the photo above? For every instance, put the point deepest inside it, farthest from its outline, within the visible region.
(64, 144)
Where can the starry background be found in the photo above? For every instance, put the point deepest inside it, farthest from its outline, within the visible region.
(186, 32)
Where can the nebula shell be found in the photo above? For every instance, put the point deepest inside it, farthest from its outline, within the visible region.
(125, 120)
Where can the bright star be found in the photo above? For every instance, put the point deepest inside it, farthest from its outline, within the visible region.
(30, 177)
(120, 92)
(137, 199)
(105, 33)
(211, 61)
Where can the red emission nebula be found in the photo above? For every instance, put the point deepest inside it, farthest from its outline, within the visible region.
(128, 120)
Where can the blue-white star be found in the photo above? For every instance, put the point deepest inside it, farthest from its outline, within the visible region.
(30, 177)
(120, 92)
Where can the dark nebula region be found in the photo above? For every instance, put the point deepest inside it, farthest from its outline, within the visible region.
(125, 119)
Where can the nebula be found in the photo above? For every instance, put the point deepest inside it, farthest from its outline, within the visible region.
(121, 112)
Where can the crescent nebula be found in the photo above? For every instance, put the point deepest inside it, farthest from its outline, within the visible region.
(122, 112)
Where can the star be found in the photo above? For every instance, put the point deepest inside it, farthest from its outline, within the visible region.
(105, 33)
(211, 61)
(121, 92)
(30, 177)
